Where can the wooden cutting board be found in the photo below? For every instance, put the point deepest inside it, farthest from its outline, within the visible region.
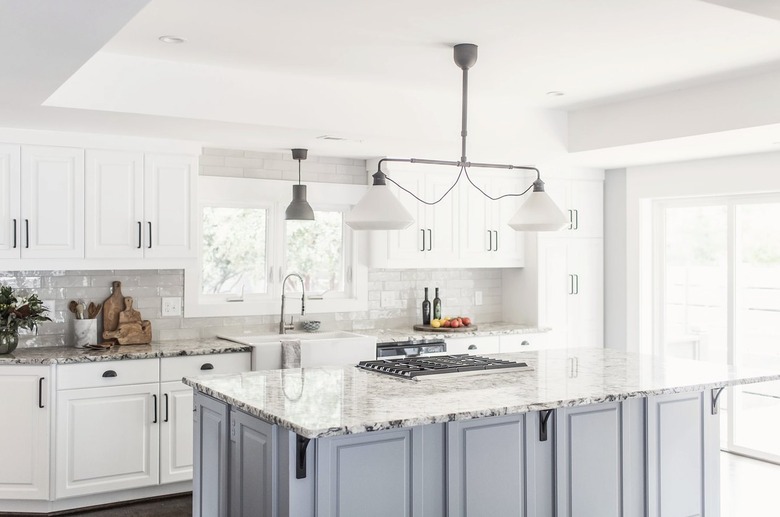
(428, 328)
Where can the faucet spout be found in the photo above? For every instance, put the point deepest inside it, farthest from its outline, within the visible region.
(283, 328)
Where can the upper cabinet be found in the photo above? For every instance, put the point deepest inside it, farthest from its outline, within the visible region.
(139, 206)
(42, 200)
(582, 200)
(464, 229)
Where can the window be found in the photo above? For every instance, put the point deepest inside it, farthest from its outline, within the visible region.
(717, 273)
(247, 248)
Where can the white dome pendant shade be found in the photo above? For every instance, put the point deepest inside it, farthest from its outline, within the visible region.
(379, 209)
(539, 213)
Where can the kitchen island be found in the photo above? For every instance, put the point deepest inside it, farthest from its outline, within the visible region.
(598, 432)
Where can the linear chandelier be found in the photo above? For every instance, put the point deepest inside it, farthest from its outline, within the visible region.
(379, 209)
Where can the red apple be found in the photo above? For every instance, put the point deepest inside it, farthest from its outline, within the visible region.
(466, 321)
(446, 323)
(455, 324)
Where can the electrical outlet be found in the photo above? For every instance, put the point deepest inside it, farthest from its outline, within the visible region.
(477, 297)
(171, 306)
(386, 299)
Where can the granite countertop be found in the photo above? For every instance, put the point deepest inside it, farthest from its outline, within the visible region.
(69, 355)
(317, 402)
(496, 328)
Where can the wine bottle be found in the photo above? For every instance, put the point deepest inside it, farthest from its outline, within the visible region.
(437, 306)
(426, 309)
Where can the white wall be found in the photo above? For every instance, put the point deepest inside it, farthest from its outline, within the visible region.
(624, 285)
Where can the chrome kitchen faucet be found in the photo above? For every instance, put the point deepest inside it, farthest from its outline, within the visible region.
(283, 328)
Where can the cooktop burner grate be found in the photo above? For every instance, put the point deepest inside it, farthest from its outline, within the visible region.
(421, 367)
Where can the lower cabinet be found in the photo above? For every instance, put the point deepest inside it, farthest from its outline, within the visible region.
(25, 407)
(641, 457)
(107, 439)
(175, 432)
(473, 345)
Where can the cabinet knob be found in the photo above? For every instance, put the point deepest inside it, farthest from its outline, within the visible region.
(207, 366)
(472, 347)
(109, 373)
(525, 343)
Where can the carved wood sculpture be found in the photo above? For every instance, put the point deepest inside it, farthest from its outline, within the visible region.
(131, 329)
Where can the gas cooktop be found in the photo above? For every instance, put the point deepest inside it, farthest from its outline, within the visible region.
(422, 367)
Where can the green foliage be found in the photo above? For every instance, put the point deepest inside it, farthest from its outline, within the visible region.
(315, 251)
(16, 313)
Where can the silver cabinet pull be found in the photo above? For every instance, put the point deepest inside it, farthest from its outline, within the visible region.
(496, 240)
(430, 239)
(14, 220)
(490, 240)
(150, 234)
(576, 219)
(423, 242)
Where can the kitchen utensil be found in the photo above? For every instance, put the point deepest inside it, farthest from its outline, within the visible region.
(80, 308)
(72, 306)
(93, 310)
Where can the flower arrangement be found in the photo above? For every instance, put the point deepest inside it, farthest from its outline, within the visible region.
(16, 313)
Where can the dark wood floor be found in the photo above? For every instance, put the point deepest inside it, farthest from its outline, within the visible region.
(180, 506)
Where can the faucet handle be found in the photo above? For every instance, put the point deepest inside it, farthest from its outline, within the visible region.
(291, 321)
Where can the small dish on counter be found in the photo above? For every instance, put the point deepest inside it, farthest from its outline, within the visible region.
(311, 325)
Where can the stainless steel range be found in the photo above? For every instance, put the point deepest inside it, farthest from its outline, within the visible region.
(461, 364)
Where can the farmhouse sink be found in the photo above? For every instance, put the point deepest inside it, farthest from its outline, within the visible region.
(336, 348)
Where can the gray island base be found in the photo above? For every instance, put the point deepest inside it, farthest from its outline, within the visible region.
(591, 433)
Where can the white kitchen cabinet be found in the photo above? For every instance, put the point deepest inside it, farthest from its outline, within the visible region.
(10, 199)
(465, 229)
(176, 403)
(52, 202)
(485, 235)
(108, 422)
(139, 206)
(107, 439)
(571, 290)
(433, 237)
(472, 345)
(114, 204)
(26, 409)
(582, 200)
(169, 205)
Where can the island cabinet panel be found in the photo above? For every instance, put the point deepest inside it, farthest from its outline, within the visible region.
(382, 474)
(253, 466)
(488, 468)
(210, 470)
(599, 460)
(682, 455)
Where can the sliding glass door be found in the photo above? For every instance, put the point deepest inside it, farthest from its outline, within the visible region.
(717, 298)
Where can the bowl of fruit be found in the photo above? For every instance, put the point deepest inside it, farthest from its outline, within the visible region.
(457, 324)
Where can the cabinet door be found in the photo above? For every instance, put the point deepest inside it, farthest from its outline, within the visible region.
(211, 449)
(586, 200)
(488, 468)
(10, 196)
(682, 443)
(52, 202)
(169, 205)
(586, 299)
(554, 288)
(476, 239)
(442, 221)
(107, 439)
(175, 432)
(405, 247)
(589, 459)
(25, 406)
(253, 466)
(509, 244)
(114, 204)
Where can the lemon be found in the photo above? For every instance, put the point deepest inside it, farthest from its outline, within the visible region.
(435, 324)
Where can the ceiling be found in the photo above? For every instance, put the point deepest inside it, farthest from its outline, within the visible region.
(378, 76)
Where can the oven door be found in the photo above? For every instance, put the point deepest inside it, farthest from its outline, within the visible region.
(402, 350)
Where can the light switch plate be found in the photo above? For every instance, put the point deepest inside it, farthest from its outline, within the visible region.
(171, 306)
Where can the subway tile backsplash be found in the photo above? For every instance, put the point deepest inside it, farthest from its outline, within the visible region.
(394, 299)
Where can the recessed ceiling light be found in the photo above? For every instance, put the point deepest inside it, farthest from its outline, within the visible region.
(175, 40)
(555, 93)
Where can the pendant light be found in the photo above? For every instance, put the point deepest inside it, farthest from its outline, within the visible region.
(379, 209)
(299, 209)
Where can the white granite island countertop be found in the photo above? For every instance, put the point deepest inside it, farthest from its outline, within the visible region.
(318, 402)
(69, 355)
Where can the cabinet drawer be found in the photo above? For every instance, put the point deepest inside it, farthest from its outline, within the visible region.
(473, 345)
(523, 342)
(107, 373)
(174, 368)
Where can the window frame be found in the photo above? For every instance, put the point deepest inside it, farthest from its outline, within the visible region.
(275, 195)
